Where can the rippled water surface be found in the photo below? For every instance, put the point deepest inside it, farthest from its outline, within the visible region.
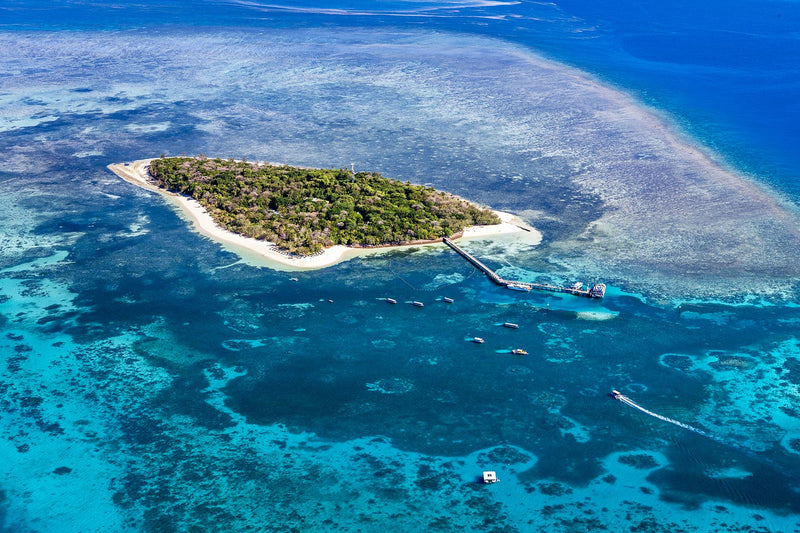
(153, 381)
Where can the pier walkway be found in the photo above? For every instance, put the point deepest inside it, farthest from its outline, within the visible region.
(598, 290)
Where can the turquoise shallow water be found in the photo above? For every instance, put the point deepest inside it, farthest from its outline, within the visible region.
(241, 395)
(152, 381)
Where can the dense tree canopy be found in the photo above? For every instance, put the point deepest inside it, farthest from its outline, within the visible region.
(304, 210)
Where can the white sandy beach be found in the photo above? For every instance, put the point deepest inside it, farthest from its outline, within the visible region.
(267, 254)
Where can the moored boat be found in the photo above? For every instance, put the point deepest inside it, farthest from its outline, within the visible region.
(390, 300)
(518, 287)
(519, 351)
(478, 340)
(510, 325)
(447, 300)
(490, 476)
(417, 304)
(598, 290)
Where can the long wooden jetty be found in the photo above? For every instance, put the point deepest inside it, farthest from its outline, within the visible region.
(598, 290)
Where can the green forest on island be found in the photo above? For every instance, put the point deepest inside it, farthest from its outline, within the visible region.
(305, 210)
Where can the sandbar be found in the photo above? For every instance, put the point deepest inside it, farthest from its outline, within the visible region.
(268, 254)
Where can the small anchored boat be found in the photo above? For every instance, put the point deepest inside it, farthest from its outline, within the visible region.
(390, 300)
(519, 351)
(447, 300)
(417, 304)
(510, 325)
(490, 477)
(478, 340)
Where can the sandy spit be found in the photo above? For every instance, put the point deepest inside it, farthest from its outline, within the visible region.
(267, 253)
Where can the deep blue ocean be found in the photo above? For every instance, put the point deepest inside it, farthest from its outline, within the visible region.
(154, 380)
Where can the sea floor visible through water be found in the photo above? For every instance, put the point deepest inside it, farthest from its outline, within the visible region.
(154, 381)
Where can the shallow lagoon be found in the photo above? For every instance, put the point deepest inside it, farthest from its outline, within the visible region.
(154, 382)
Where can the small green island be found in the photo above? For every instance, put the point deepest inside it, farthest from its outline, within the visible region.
(305, 210)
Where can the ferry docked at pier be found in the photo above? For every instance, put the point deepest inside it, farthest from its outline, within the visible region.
(598, 290)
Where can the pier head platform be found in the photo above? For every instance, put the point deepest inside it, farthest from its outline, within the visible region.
(598, 290)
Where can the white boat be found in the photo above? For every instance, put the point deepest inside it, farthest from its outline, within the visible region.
(598, 290)
(517, 287)
(417, 304)
(478, 340)
(510, 325)
(490, 477)
(447, 300)
(391, 300)
(519, 351)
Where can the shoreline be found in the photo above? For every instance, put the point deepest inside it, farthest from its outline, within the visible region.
(267, 254)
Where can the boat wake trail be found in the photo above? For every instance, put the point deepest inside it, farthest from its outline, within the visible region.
(750, 453)
(624, 399)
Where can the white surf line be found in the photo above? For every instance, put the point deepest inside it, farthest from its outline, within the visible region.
(628, 401)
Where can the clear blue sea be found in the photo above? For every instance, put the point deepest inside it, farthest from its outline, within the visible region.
(153, 380)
